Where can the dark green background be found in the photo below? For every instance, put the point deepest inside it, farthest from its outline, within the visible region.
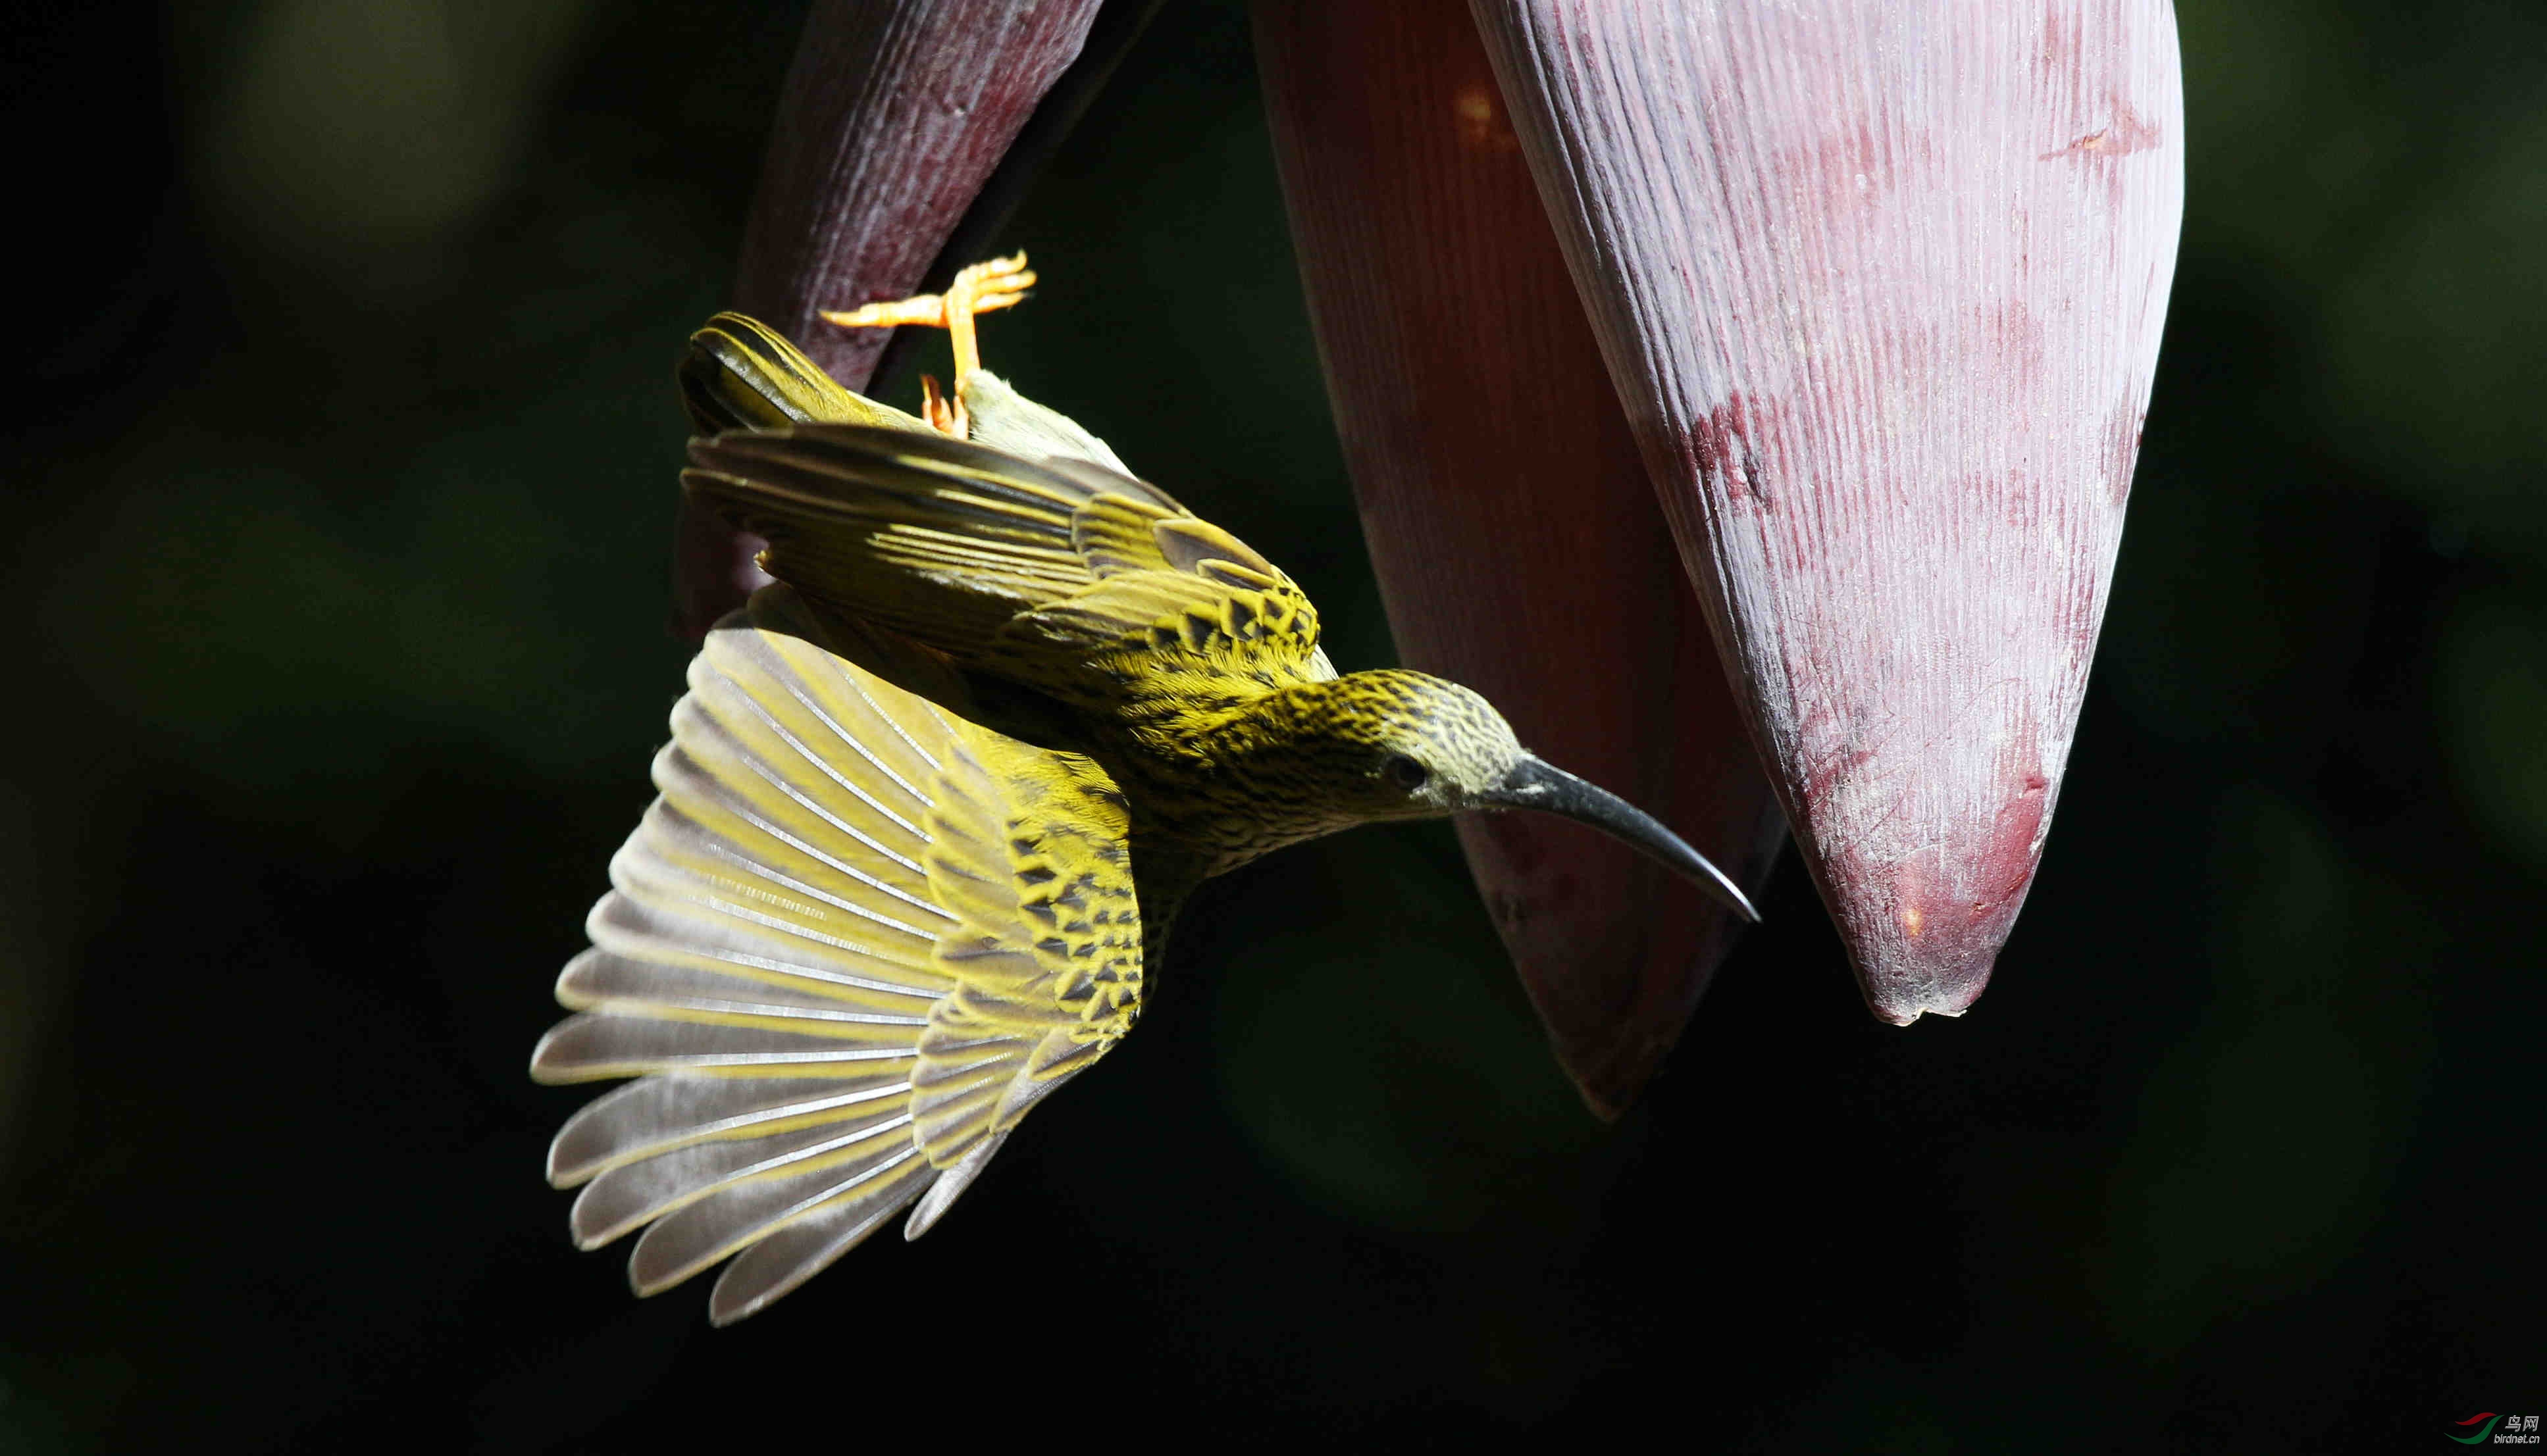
(338, 502)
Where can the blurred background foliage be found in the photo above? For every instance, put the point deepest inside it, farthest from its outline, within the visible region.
(339, 520)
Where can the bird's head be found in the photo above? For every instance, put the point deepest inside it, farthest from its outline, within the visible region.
(1407, 745)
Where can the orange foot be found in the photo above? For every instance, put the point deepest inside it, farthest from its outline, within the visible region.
(1000, 282)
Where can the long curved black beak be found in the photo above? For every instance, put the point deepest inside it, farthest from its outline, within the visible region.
(1537, 784)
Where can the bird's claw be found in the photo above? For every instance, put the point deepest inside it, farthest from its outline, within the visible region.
(984, 288)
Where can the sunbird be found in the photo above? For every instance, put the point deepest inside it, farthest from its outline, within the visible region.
(933, 799)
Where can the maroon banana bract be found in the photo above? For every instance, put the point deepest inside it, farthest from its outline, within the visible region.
(1517, 546)
(1880, 283)
(894, 114)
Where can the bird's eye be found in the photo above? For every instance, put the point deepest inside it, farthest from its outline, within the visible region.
(1405, 772)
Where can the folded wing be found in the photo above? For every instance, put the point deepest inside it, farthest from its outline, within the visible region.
(1037, 568)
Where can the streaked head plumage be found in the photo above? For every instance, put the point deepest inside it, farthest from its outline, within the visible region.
(1420, 744)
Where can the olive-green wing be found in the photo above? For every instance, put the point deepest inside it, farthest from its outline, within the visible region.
(1035, 567)
(853, 941)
